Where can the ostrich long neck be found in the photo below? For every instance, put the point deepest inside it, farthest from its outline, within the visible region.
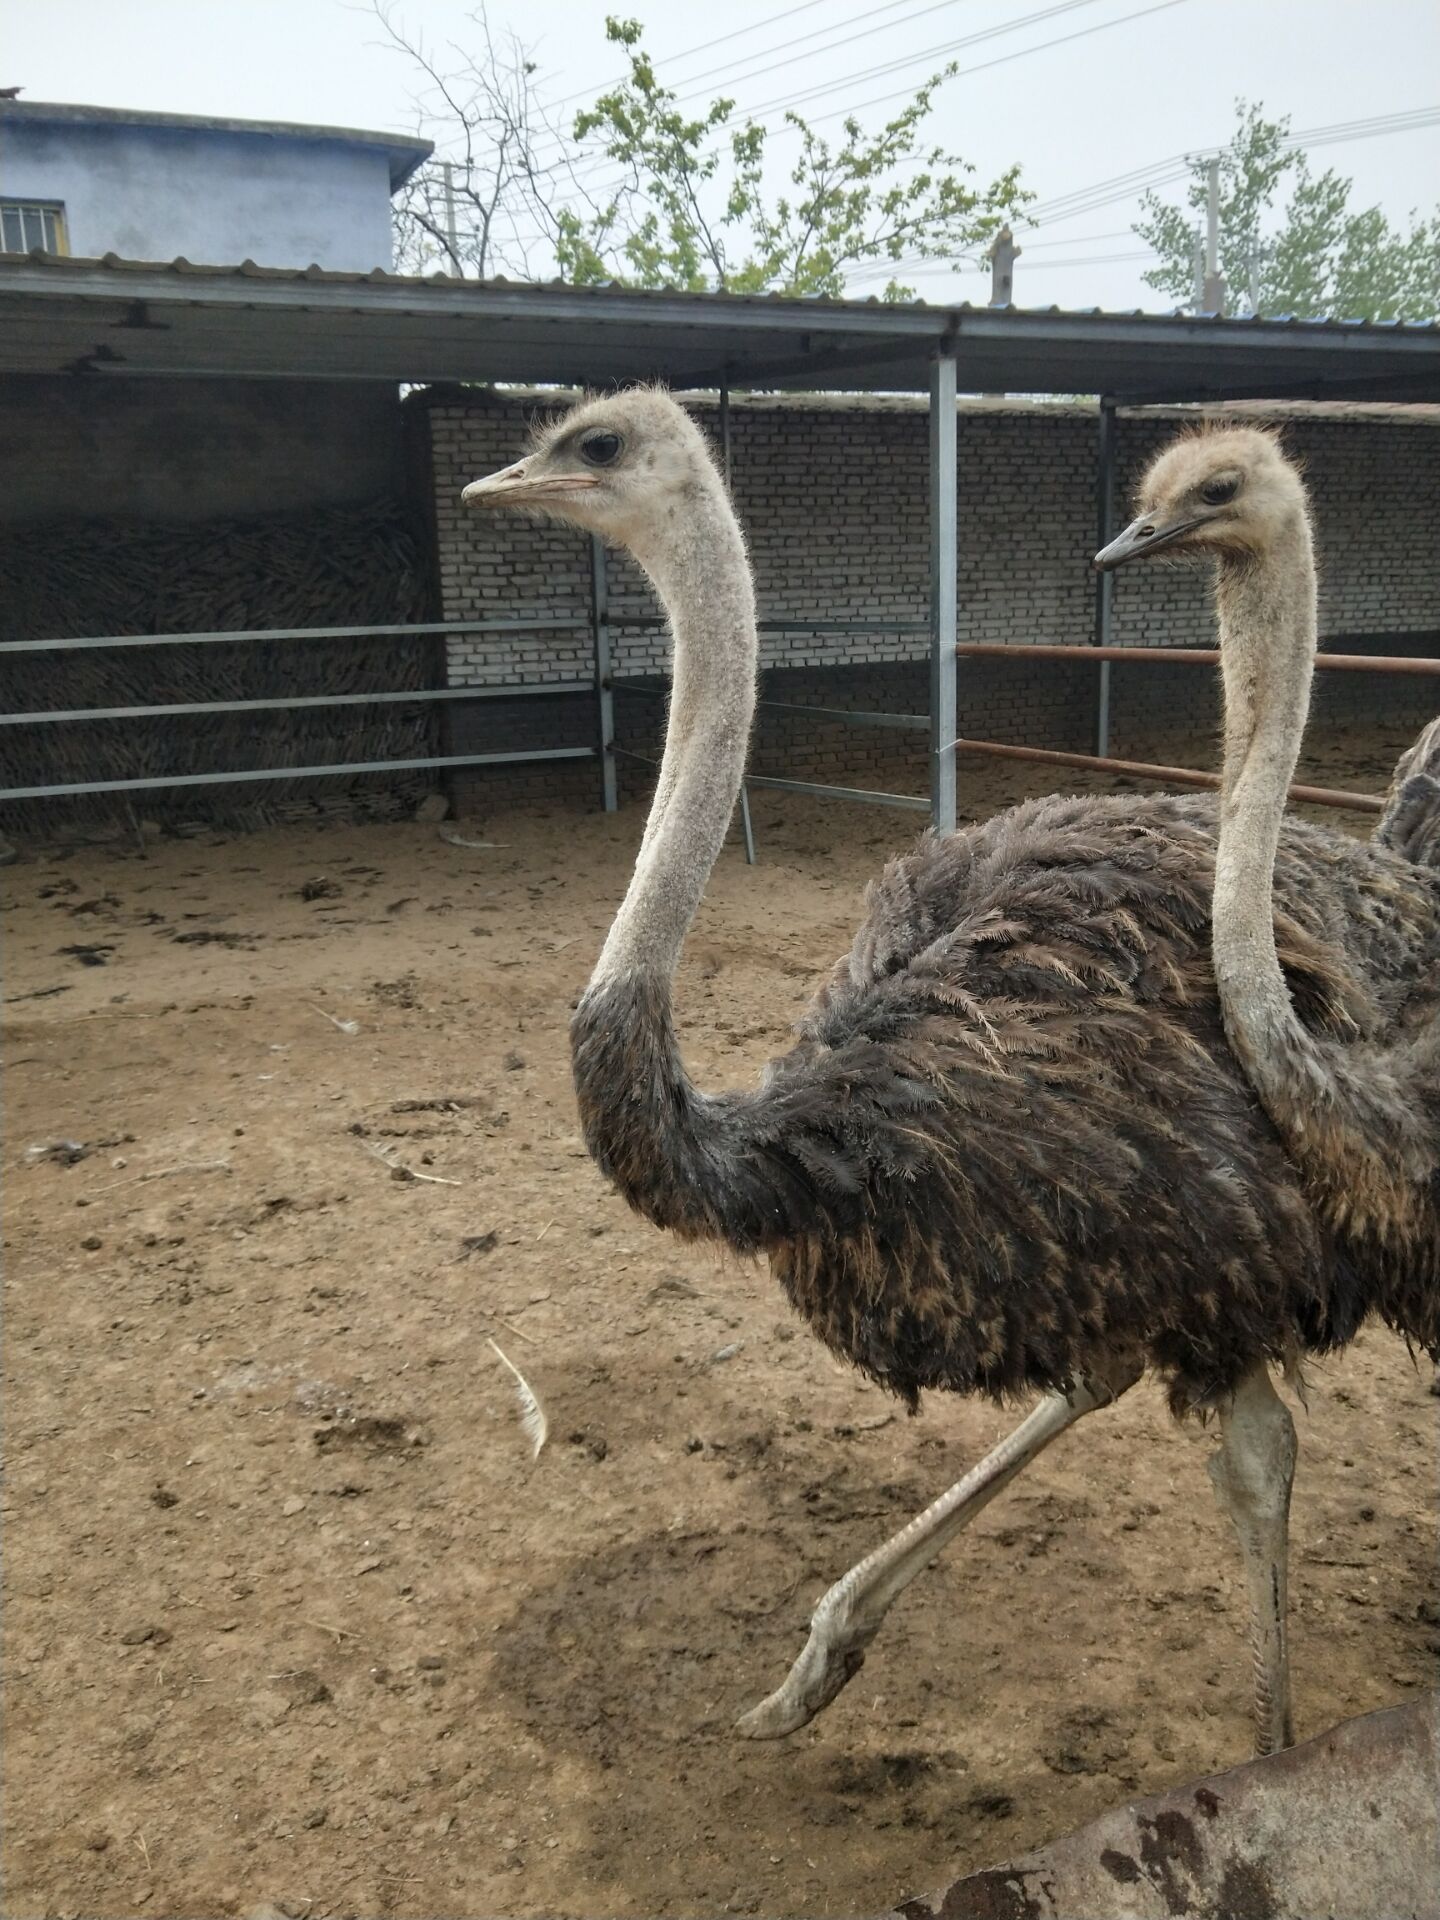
(704, 583)
(668, 1148)
(1333, 1112)
(1267, 651)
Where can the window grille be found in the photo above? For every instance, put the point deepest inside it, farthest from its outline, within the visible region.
(27, 224)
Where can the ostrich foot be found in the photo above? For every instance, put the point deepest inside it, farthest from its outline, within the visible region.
(831, 1657)
(849, 1616)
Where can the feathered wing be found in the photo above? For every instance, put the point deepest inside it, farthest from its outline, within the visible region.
(981, 1163)
(1410, 824)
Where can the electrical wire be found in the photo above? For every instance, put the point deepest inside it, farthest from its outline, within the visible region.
(1023, 53)
(939, 51)
(725, 70)
(1177, 166)
(1004, 59)
(830, 46)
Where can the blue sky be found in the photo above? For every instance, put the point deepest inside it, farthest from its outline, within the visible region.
(1126, 84)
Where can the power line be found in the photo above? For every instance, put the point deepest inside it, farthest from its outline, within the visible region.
(1004, 59)
(1023, 53)
(724, 70)
(1123, 186)
(738, 79)
(937, 52)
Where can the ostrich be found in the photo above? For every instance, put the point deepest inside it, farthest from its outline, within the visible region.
(1359, 1111)
(1010, 1148)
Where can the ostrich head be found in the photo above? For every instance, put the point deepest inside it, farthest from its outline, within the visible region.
(623, 466)
(1228, 493)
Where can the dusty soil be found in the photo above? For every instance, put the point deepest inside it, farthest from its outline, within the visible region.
(291, 1615)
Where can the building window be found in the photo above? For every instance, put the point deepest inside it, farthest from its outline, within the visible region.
(27, 224)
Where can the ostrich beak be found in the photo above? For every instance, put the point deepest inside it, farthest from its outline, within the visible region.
(1141, 537)
(521, 486)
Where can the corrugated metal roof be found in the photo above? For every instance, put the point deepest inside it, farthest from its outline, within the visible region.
(115, 316)
(405, 151)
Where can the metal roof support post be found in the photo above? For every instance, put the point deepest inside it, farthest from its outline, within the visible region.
(746, 826)
(944, 586)
(604, 697)
(1104, 582)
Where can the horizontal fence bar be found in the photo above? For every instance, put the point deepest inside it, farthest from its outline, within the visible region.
(547, 623)
(416, 695)
(1168, 776)
(1193, 657)
(296, 773)
(647, 623)
(856, 716)
(910, 801)
(542, 622)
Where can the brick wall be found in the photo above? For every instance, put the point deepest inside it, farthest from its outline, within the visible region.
(833, 493)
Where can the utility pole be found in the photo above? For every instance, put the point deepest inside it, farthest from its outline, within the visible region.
(1214, 293)
(1197, 266)
(1255, 279)
(447, 173)
(1002, 257)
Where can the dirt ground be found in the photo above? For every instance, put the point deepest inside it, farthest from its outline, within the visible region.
(292, 1617)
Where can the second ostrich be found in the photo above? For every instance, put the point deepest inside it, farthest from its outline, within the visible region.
(1358, 1108)
(1010, 1149)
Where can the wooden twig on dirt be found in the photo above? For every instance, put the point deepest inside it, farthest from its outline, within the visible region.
(324, 1626)
(345, 1026)
(453, 839)
(164, 1173)
(407, 1173)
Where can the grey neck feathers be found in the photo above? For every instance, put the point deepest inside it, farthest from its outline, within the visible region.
(1268, 637)
(1333, 1105)
(698, 565)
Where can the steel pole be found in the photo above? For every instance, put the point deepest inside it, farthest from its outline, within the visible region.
(944, 587)
(1104, 582)
(746, 826)
(725, 427)
(604, 697)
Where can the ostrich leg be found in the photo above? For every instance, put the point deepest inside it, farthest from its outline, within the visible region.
(849, 1616)
(1252, 1475)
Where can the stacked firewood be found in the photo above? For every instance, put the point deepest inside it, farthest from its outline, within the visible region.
(336, 567)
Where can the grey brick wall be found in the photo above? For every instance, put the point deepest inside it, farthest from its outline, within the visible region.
(834, 497)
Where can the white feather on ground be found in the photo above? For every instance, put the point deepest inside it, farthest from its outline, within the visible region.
(533, 1422)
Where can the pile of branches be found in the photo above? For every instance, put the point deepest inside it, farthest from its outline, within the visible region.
(329, 567)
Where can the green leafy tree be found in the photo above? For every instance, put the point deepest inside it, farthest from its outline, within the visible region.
(687, 203)
(1314, 256)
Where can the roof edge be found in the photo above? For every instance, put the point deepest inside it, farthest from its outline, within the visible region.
(406, 151)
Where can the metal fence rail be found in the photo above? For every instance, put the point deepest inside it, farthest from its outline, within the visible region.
(649, 689)
(603, 686)
(1191, 657)
(412, 696)
(1152, 770)
(235, 778)
(599, 623)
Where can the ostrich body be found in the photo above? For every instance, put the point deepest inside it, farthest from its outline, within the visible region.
(1356, 1099)
(1010, 1148)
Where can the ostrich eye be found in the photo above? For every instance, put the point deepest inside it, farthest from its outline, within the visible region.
(1215, 493)
(601, 449)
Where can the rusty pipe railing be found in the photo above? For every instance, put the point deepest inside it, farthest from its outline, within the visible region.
(1167, 776)
(1189, 656)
